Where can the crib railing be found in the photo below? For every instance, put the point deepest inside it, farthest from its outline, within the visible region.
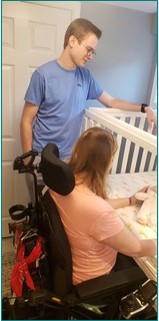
(136, 147)
(136, 119)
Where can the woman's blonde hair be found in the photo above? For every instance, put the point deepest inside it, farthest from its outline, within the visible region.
(80, 28)
(91, 158)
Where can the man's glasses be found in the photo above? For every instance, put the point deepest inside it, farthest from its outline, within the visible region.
(90, 51)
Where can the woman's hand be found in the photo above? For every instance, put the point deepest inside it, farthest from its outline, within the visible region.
(127, 201)
(133, 200)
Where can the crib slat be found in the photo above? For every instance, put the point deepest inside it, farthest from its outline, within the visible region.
(143, 161)
(142, 123)
(152, 162)
(132, 121)
(115, 161)
(134, 159)
(125, 158)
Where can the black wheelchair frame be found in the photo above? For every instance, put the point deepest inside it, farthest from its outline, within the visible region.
(54, 296)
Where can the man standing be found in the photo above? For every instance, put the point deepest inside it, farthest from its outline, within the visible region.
(55, 100)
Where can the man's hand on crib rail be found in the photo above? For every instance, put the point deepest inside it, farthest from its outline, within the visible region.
(154, 130)
(112, 102)
(151, 118)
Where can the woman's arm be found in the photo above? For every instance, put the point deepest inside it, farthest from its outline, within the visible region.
(127, 201)
(127, 243)
(119, 202)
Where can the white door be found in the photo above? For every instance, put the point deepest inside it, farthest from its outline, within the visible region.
(32, 34)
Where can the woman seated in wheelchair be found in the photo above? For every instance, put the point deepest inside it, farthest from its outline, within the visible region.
(95, 231)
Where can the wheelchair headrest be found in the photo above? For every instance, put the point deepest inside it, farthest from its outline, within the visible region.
(57, 174)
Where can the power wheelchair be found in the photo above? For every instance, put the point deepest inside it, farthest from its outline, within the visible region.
(49, 294)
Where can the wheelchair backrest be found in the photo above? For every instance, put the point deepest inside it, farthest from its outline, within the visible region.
(58, 176)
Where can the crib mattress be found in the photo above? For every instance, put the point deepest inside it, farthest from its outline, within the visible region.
(122, 185)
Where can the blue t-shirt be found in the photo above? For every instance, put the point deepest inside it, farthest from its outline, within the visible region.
(61, 96)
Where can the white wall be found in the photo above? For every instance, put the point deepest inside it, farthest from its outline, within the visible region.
(126, 53)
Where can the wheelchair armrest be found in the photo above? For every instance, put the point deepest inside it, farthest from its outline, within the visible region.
(112, 283)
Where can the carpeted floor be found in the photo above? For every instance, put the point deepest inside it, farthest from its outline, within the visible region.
(8, 261)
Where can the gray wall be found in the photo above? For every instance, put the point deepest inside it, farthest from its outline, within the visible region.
(126, 53)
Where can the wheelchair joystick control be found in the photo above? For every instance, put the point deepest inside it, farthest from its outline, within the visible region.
(130, 300)
(139, 300)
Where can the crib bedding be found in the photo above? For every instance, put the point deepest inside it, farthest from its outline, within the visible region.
(121, 185)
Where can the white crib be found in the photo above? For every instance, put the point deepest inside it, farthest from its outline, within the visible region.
(137, 146)
(133, 167)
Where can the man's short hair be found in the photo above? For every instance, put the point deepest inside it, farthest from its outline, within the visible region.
(80, 28)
